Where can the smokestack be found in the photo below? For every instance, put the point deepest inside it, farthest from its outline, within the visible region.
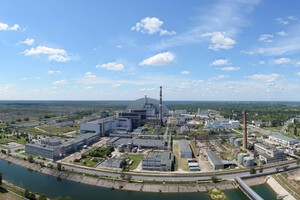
(145, 101)
(160, 107)
(245, 129)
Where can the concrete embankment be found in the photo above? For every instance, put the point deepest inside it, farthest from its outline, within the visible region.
(117, 184)
(279, 189)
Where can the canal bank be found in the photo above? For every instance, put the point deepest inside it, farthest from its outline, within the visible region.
(52, 187)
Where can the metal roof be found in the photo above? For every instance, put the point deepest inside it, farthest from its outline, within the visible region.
(184, 146)
(215, 160)
(140, 103)
(282, 137)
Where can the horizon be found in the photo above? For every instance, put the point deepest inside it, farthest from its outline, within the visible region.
(234, 50)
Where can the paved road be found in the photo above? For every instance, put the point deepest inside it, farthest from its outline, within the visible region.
(173, 176)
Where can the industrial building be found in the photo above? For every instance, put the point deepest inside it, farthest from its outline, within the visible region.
(113, 162)
(140, 143)
(55, 149)
(214, 160)
(283, 139)
(185, 149)
(268, 153)
(221, 124)
(158, 161)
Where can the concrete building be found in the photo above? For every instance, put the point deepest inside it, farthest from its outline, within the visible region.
(140, 143)
(185, 149)
(101, 126)
(214, 160)
(158, 161)
(221, 124)
(283, 139)
(183, 130)
(55, 149)
(113, 162)
(268, 153)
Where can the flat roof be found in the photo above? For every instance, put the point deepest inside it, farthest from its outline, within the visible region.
(215, 160)
(184, 146)
(282, 137)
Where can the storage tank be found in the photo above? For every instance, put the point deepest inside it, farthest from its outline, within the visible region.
(248, 161)
(240, 157)
(231, 139)
(238, 142)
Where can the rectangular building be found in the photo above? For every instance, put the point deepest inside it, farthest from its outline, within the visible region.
(214, 160)
(158, 161)
(283, 139)
(185, 149)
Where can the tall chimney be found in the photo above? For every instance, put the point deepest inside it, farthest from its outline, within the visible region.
(145, 100)
(245, 129)
(160, 107)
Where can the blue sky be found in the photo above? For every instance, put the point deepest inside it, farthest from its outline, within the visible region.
(125, 49)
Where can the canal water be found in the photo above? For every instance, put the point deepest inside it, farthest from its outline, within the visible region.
(51, 187)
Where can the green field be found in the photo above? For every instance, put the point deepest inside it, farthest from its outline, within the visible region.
(136, 160)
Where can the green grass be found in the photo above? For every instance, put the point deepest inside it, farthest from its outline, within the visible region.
(275, 129)
(13, 189)
(184, 164)
(136, 160)
(89, 162)
(176, 154)
(27, 154)
(5, 140)
(54, 129)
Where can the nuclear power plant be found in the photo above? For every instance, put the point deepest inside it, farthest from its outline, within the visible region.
(245, 130)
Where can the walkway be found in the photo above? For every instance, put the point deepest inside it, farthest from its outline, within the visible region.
(247, 190)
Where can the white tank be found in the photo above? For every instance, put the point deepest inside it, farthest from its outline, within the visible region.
(248, 161)
(238, 142)
(231, 139)
(240, 157)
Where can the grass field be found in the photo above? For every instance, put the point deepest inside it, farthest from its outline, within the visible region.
(136, 160)
(176, 154)
(274, 129)
(184, 164)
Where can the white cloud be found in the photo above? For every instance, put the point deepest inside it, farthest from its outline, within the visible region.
(54, 72)
(147, 89)
(7, 88)
(219, 41)
(267, 38)
(219, 77)
(28, 41)
(281, 61)
(112, 66)
(262, 62)
(185, 72)
(88, 87)
(298, 73)
(229, 16)
(220, 62)
(6, 27)
(286, 20)
(24, 79)
(59, 55)
(119, 46)
(282, 33)
(229, 68)
(89, 75)
(61, 82)
(116, 85)
(151, 25)
(159, 59)
(265, 77)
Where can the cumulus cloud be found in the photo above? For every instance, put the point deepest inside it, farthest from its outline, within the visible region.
(219, 41)
(220, 62)
(61, 82)
(185, 72)
(59, 55)
(146, 89)
(285, 20)
(151, 25)
(267, 38)
(28, 41)
(159, 59)
(54, 72)
(6, 27)
(113, 66)
(265, 77)
(282, 33)
(281, 61)
(298, 73)
(219, 77)
(229, 68)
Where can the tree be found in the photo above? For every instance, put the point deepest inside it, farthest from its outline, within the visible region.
(59, 167)
(129, 177)
(298, 161)
(213, 179)
(42, 197)
(295, 131)
(261, 169)
(252, 170)
(30, 159)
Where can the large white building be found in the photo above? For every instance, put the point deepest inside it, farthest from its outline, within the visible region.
(283, 139)
(221, 124)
